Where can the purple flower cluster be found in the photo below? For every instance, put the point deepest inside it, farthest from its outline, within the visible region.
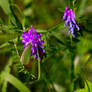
(37, 44)
(69, 18)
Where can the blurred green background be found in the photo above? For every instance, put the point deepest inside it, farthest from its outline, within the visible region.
(68, 63)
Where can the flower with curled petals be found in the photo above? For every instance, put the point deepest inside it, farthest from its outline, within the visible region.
(33, 38)
(69, 18)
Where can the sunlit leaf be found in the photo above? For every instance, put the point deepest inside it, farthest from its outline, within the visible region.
(5, 6)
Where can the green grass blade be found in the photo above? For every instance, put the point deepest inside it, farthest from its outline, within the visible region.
(16, 83)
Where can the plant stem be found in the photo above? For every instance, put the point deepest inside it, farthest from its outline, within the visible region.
(87, 86)
(16, 48)
(71, 38)
(72, 64)
(70, 3)
(38, 70)
(88, 60)
(38, 74)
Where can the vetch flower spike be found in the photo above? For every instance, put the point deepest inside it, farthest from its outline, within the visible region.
(69, 18)
(33, 38)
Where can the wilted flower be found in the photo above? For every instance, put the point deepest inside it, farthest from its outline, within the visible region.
(69, 18)
(37, 44)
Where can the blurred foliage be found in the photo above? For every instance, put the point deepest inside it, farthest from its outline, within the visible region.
(69, 61)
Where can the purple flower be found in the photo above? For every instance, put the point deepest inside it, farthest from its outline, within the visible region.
(37, 44)
(69, 18)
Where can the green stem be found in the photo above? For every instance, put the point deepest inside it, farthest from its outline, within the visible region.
(88, 60)
(16, 49)
(70, 3)
(38, 64)
(72, 69)
(71, 38)
(72, 74)
(87, 86)
(72, 65)
(38, 74)
(4, 86)
(38, 70)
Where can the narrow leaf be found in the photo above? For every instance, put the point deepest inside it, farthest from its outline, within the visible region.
(5, 6)
(16, 83)
(82, 7)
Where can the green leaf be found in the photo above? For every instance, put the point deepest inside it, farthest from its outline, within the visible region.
(41, 31)
(82, 7)
(4, 86)
(16, 83)
(4, 45)
(61, 10)
(20, 11)
(81, 90)
(84, 45)
(2, 76)
(4, 38)
(26, 55)
(12, 19)
(5, 6)
(88, 87)
(15, 17)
